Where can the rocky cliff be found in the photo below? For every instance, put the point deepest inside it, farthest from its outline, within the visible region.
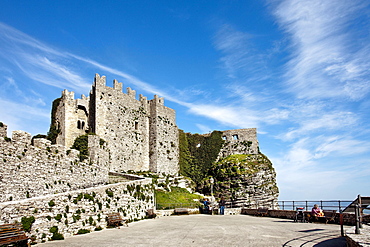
(246, 180)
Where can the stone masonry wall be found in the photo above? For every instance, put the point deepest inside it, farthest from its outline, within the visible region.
(122, 121)
(239, 141)
(164, 149)
(80, 209)
(42, 169)
(3, 130)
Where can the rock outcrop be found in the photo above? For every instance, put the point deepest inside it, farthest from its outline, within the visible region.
(246, 180)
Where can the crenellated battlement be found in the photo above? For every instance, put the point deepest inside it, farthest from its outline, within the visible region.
(117, 85)
(68, 95)
(133, 128)
(43, 168)
(99, 82)
(3, 130)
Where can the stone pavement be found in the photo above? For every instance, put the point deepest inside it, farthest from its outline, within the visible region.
(211, 230)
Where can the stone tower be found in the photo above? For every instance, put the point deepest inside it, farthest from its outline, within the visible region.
(141, 135)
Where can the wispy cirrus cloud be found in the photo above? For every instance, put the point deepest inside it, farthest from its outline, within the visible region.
(325, 62)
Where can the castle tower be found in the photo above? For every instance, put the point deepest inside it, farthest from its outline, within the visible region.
(164, 138)
(71, 118)
(123, 122)
(140, 135)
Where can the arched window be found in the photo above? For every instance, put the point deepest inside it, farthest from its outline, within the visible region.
(83, 125)
(235, 137)
(78, 124)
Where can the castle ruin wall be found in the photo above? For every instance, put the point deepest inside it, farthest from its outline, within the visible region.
(122, 121)
(164, 150)
(41, 169)
(80, 209)
(239, 141)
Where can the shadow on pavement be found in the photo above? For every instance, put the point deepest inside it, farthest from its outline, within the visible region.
(335, 242)
(315, 238)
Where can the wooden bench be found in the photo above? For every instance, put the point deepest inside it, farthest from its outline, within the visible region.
(329, 215)
(178, 211)
(13, 234)
(151, 214)
(115, 219)
(262, 212)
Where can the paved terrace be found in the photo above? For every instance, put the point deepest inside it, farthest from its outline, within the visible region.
(212, 230)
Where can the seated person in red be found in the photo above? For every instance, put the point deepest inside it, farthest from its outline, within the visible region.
(316, 212)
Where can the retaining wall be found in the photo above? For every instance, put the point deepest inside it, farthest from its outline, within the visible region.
(80, 209)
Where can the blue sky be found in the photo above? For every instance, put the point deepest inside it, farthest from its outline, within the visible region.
(298, 71)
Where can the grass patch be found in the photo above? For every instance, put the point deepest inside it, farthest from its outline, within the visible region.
(178, 197)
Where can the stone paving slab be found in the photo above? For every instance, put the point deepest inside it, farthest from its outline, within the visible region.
(363, 239)
(212, 230)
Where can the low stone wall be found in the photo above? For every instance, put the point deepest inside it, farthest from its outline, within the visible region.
(80, 209)
(348, 219)
(42, 169)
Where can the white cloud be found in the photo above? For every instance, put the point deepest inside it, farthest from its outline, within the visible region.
(321, 121)
(325, 62)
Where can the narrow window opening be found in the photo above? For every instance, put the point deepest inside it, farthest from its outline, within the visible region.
(235, 137)
(78, 124)
(136, 125)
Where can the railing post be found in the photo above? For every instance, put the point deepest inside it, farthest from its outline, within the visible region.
(293, 205)
(341, 222)
(360, 210)
(357, 229)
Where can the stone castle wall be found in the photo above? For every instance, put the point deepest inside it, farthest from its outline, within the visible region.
(3, 130)
(140, 134)
(164, 149)
(80, 209)
(239, 141)
(122, 121)
(41, 169)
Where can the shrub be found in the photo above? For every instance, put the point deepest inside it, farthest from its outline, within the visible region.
(56, 234)
(109, 193)
(58, 217)
(83, 231)
(99, 228)
(51, 203)
(27, 223)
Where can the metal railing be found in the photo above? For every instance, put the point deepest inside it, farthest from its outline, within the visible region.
(307, 205)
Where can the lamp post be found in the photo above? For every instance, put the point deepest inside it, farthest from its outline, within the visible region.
(211, 180)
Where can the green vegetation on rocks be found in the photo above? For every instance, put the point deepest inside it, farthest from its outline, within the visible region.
(198, 153)
(27, 223)
(242, 175)
(175, 198)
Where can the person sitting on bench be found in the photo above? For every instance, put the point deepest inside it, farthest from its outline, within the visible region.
(316, 212)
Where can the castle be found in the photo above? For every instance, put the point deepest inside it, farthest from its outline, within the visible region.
(52, 184)
(140, 134)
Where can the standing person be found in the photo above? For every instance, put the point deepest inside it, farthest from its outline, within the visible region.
(206, 205)
(222, 204)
